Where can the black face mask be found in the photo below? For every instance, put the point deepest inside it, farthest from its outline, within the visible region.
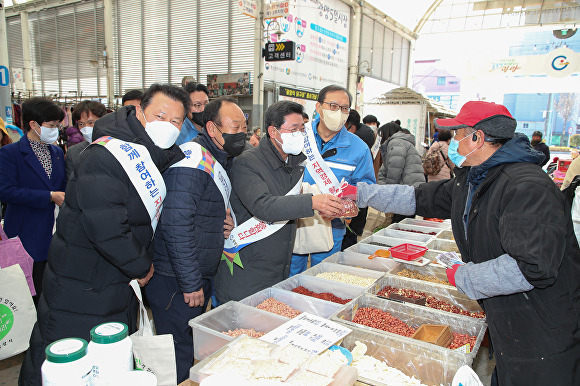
(534, 143)
(234, 144)
(197, 118)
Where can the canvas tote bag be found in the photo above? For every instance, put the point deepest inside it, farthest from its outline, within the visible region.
(314, 234)
(12, 252)
(17, 312)
(153, 353)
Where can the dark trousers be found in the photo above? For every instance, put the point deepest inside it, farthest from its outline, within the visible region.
(37, 275)
(171, 316)
(357, 226)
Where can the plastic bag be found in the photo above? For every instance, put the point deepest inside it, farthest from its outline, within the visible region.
(349, 208)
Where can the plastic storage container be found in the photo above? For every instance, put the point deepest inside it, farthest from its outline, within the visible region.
(111, 351)
(67, 363)
(445, 293)
(404, 237)
(386, 242)
(331, 267)
(446, 235)
(443, 245)
(421, 230)
(427, 270)
(415, 316)
(208, 328)
(413, 359)
(299, 302)
(316, 284)
(425, 223)
(361, 260)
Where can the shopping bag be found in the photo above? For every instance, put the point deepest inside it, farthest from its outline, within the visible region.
(313, 234)
(17, 312)
(12, 252)
(153, 353)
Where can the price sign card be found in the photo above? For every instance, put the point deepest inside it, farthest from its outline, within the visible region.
(309, 332)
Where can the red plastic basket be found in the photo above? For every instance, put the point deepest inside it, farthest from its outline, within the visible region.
(407, 251)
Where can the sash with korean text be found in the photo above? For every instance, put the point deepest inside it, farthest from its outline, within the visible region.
(376, 146)
(320, 172)
(142, 171)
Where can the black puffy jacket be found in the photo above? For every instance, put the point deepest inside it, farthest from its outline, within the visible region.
(518, 210)
(189, 239)
(101, 242)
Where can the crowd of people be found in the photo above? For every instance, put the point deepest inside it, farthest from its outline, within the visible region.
(168, 191)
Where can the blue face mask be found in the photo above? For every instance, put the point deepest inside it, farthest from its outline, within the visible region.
(453, 153)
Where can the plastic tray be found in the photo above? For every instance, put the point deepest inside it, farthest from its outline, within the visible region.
(207, 328)
(431, 367)
(425, 223)
(409, 237)
(331, 267)
(415, 316)
(443, 245)
(446, 235)
(407, 251)
(299, 302)
(418, 228)
(317, 284)
(428, 270)
(447, 293)
(361, 260)
(388, 241)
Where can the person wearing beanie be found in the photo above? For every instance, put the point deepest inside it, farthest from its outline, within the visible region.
(514, 230)
(539, 145)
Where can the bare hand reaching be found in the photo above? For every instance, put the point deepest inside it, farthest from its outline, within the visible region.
(228, 224)
(194, 299)
(328, 205)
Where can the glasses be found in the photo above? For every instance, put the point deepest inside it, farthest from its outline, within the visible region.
(295, 133)
(52, 126)
(199, 106)
(335, 106)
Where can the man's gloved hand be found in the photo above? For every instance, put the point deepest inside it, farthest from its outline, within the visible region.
(348, 192)
(451, 273)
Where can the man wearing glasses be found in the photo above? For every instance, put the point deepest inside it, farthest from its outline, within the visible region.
(199, 96)
(345, 155)
(266, 181)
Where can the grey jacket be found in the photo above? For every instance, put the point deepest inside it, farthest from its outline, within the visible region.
(401, 161)
(72, 157)
(260, 180)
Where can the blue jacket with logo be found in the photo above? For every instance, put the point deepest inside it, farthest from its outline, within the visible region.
(352, 161)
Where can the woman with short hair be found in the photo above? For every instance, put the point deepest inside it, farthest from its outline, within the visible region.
(32, 182)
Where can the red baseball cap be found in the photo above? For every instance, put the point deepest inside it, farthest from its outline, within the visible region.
(493, 119)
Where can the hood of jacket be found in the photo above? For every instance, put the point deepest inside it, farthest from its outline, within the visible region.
(403, 136)
(204, 140)
(515, 150)
(124, 125)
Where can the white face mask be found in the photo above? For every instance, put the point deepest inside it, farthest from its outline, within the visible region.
(87, 133)
(162, 133)
(373, 127)
(292, 143)
(334, 120)
(47, 134)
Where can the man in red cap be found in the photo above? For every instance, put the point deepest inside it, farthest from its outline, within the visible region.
(514, 231)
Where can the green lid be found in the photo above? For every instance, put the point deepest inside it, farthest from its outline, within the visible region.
(111, 332)
(66, 350)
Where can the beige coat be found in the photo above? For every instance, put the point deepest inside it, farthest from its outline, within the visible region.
(445, 172)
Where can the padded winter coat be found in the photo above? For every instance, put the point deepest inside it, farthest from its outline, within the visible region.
(401, 161)
(102, 240)
(189, 239)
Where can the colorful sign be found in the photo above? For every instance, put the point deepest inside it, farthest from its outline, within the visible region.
(300, 94)
(228, 84)
(275, 10)
(320, 31)
(561, 62)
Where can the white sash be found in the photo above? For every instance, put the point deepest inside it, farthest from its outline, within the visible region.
(255, 229)
(317, 167)
(198, 157)
(376, 146)
(143, 173)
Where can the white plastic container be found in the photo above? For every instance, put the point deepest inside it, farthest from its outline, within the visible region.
(111, 352)
(67, 363)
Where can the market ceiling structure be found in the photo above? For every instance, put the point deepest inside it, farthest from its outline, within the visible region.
(428, 16)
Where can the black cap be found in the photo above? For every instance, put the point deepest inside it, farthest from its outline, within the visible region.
(537, 134)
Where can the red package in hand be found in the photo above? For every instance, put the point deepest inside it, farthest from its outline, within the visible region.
(349, 208)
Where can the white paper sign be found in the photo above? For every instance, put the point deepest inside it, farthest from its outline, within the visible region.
(308, 332)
